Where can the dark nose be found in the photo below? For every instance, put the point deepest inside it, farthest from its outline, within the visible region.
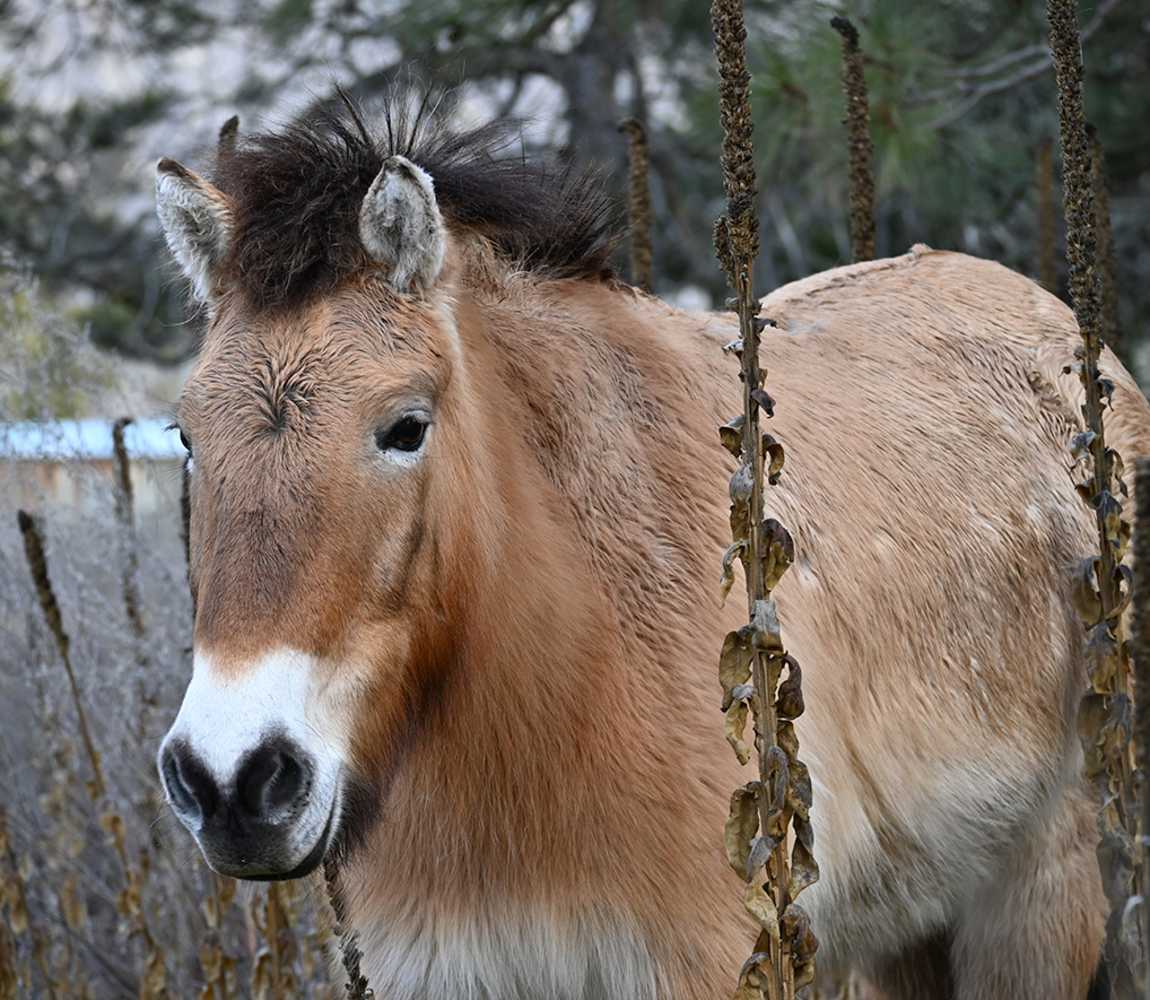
(271, 780)
(191, 789)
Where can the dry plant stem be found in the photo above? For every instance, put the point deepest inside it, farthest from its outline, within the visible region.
(38, 566)
(1141, 637)
(356, 986)
(1104, 714)
(861, 146)
(214, 961)
(638, 202)
(125, 515)
(1047, 220)
(783, 958)
(1108, 290)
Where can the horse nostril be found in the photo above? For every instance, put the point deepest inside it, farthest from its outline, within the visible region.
(271, 780)
(190, 788)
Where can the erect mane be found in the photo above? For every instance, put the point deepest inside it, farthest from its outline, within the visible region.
(297, 193)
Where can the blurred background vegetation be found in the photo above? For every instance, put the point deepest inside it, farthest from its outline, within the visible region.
(962, 97)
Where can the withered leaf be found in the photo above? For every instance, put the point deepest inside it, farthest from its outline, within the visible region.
(1117, 470)
(796, 927)
(1110, 511)
(734, 662)
(1087, 600)
(764, 399)
(804, 974)
(1116, 853)
(1102, 657)
(760, 906)
(1081, 442)
(777, 778)
(1124, 584)
(766, 632)
(72, 904)
(799, 790)
(735, 726)
(1092, 712)
(789, 699)
(774, 456)
(1118, 726)
(155, 977)
(727, 580)
(742, 825)
(752, 974)
(731, 435)
(761, 850)
(740, 484)
(804, 868)
(777, 548)
(788, 740)
(17, 914)
(740, 492)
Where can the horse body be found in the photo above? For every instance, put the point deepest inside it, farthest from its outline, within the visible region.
(478, 675)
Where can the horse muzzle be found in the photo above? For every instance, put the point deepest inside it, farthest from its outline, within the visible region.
(253, 768)
(262, 824)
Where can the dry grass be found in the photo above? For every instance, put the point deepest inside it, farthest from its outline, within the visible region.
(102, 894)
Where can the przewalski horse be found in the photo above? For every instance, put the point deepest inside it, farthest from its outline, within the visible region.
(458, 502)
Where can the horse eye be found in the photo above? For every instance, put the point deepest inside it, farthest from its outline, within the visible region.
(406, 434)
(187, 445)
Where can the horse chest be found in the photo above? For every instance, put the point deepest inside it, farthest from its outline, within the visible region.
(523, 957)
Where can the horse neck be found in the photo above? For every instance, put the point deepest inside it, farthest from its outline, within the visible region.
(510, 747)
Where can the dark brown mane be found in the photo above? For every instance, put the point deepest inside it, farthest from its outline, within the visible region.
(297, 193)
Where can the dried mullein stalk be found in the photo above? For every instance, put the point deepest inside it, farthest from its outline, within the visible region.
(125, 517)
(638, 202)
(1104, 243)
(1105, 712)
(1047, 219)
(1141, 641)
(768, 813)
(861, 146)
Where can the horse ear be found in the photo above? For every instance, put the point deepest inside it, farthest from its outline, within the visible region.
(400, 225)
(197, 222)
